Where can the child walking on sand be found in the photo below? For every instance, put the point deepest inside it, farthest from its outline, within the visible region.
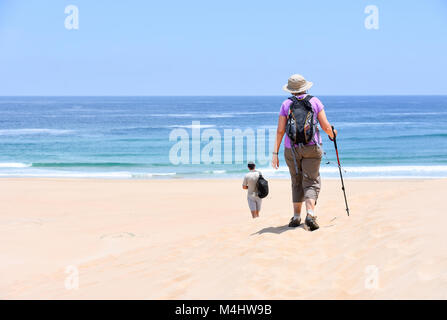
(249, 184)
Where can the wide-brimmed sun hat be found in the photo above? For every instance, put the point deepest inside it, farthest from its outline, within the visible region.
(297, 84)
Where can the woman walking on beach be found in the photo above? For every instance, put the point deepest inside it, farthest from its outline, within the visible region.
(303, 160)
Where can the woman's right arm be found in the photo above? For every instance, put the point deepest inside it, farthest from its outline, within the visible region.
(325, 125)
(280, 131)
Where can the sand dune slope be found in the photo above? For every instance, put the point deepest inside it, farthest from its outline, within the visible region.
(182, 239)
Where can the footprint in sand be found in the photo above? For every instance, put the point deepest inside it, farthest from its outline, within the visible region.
(118, 235)
(178, 286)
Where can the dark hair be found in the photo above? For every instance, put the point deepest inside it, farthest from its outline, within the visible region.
(251, 166)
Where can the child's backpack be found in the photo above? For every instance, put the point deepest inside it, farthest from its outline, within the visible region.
(262, 187)
(301, 127)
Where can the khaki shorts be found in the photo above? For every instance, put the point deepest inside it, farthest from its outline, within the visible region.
(307, 183)
(254, 203)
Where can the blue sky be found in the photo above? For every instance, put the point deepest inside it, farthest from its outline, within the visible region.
(139, 47)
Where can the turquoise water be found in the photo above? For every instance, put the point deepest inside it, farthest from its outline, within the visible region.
(128, 137)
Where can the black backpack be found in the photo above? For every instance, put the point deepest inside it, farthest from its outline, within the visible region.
(262, 187)
(300, 127)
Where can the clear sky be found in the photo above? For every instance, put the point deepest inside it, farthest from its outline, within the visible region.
(141, 47)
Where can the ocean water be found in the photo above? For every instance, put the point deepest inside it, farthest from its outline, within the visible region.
(129, 137)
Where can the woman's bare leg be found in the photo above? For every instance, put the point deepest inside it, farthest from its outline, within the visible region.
(310, 205)
(297, 207)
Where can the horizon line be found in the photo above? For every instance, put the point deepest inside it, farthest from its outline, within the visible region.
(149, 96)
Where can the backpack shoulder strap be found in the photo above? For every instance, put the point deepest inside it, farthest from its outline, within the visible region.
(308, 97)
(294, 102)
(307, 101)
(293, 98)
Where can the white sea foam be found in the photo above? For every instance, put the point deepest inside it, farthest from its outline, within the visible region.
(24, 170)
(114, 175)
(159, 174)
(372, 124)
(223, 115)
(253, 112)
(77, 174)
(142, 175)
(215, 171)
(414, 113)
(211, 115)
(31, 131)
(201, 126)
(193, 126)
(14, 165)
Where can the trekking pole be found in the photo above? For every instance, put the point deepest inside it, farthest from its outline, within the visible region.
(339, 168)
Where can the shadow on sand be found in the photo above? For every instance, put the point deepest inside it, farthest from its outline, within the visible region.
(277, 230)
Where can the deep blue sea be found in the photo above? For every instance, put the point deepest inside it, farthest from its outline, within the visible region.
(129, 137)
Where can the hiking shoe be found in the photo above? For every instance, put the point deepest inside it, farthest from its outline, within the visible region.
(311, 223)
(294, 222)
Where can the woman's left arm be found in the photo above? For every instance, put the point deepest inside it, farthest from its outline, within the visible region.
(280, 131)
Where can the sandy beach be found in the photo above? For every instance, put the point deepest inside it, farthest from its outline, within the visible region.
(195, 239)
